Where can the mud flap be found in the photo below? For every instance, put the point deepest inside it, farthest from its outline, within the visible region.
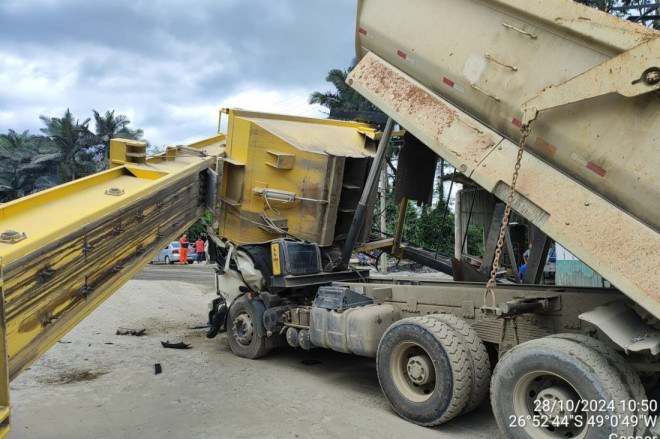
(217, 317)
(258, 309)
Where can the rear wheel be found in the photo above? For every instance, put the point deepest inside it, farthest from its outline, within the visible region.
(167, 260)
(424, 370)
(242, 334)
(627, 374)
(551, 388)
(479, 361)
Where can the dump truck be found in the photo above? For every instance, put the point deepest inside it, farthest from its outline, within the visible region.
(550, 107)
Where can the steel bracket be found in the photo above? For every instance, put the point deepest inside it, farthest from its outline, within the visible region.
(632, 73)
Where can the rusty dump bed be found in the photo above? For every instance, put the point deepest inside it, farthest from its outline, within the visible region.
(460, 73)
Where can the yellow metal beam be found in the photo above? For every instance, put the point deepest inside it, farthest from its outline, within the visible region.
(84, 239)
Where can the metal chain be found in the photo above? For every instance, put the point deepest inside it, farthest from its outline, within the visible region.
(491, 284)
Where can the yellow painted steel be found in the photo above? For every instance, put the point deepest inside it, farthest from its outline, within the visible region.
(86, 238)
(275, 257)
(295, 155)
(78, 243)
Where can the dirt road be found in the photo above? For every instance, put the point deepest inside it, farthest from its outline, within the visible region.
(95, 383)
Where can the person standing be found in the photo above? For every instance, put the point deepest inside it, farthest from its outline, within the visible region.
(199, 249)
(523, 267)
(206, 250)
(183, 251)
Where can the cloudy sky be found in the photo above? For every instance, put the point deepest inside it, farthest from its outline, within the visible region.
(168, 64)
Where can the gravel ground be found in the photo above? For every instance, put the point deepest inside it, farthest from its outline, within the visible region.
(95, 383)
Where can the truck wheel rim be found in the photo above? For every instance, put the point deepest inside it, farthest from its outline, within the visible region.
(547, 406)
(412, 372)
(243, 329)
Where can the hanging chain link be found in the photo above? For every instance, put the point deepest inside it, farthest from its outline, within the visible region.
(491, 284)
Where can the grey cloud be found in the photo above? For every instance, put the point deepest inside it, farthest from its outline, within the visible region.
(147, 55)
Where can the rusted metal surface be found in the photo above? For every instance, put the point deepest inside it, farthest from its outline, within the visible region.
(464, 51)
(465, 142)
(617, 245)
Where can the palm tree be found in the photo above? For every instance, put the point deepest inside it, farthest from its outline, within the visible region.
(344, 98)
(24, 163)
(109, 126)
(72, 140)
(14, 150)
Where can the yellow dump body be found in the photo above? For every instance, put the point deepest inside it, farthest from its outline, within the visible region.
(303, 175)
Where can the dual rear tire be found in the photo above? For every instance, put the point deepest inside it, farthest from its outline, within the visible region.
(434, 368)
(565, 386)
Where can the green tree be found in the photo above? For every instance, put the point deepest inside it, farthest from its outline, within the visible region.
(344, 97)
(634, 10)
(73, 141)
(25, 161)
(109, 126)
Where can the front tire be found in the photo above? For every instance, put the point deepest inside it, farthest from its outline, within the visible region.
(546, 380)
(424, 370)
(242, 332)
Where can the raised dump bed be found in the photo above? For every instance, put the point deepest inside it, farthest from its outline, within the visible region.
(464, 76)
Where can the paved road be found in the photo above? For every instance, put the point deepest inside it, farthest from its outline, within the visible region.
(198, 274)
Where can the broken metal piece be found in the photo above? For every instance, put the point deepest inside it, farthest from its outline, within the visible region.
(129, 331)
(179, 345)
(12, 236)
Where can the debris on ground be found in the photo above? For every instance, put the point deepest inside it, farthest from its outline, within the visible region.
(157, 368)
(310, 362)
(179, 345)
(204, 326)
(129, 331)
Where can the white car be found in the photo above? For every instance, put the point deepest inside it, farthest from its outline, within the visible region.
(170, 254)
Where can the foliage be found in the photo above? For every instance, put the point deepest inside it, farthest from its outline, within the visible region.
(24, 158)
(199, 228)
(73, 140)
(344, 97)
(67, 150)
(109, 126)
(620, 9)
